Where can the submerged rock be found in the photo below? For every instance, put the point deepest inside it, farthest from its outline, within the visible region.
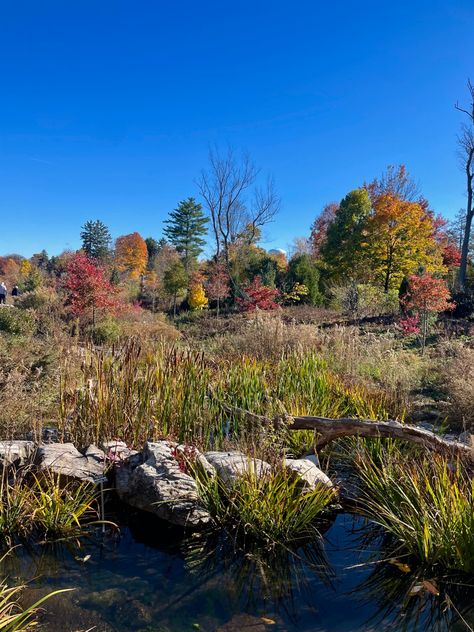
(308, 472)
(230, 466)
(15, 452)
(66, 460)
(156, 483)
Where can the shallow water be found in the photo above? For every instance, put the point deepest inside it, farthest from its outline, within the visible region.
(149, 578)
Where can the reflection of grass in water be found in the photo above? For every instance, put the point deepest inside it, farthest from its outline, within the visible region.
(273, 575)
(404, 594)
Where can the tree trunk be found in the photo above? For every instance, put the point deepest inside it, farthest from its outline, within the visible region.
(468, 225)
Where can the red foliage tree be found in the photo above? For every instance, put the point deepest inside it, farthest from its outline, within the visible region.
(258, 296)
(217, 286)
(427, 295)
(87, 289)
(320, 226)
(451, 256)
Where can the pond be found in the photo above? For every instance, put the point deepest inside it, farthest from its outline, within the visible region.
(149, 578)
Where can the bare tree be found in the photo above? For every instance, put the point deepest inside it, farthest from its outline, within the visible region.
(466, 147)
(234, 201)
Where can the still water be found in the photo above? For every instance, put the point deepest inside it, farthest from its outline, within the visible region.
(149, 578)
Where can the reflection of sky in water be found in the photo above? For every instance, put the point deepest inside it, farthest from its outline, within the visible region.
(150, 581)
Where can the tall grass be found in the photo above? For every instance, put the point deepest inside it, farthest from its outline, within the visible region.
(273, 508)
(427, 504)
(136, 394)
(43, 505)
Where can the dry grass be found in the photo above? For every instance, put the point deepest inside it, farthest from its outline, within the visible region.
(455, 362)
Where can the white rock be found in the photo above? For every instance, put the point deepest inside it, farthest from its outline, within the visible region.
(15, 452)
(230, 466)
(66, 460)
(307, 471)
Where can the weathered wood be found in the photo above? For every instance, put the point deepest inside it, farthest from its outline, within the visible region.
(327, 430)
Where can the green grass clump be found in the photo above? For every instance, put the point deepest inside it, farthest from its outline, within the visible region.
(427, 504)
(43, 506)
(270, 508)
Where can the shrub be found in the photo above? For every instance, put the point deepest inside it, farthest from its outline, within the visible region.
(258, 296)
(302, 270)
(106, 331)
(16, 322)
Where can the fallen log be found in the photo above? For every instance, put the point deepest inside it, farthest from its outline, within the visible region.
(327, 430)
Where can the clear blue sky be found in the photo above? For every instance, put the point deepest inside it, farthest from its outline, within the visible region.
(107, 108)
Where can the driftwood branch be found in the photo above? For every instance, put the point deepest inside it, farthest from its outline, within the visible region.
(327, 430)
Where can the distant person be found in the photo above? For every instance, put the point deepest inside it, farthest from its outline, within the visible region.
(15, 291)
(3, 293)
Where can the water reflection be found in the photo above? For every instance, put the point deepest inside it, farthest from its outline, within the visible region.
(153, 578)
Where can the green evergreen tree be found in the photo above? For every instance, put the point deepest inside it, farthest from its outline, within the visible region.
(301, 269)
(153, 247)
(185, 230)
(96, 239)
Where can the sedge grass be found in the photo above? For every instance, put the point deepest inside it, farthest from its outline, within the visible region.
(426, 504)
(271, 508)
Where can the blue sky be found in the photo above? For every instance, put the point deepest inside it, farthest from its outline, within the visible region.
(107, 109)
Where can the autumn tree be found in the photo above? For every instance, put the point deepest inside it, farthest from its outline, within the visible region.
(426, 296)
(258, 296)
(197, 298)
(466, 148)
(186, 229)
(96, 240)
(131, 255)
(342, 248)
(87, 288)
(399, 240)
(217, 286)
(175, 282)
(319, 228)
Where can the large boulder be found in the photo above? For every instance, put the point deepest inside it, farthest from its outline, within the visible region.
(15, 452)
(155, 482)
(230, 466)
(308, 472)
(64, 459)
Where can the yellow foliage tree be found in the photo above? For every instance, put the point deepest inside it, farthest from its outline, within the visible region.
(399, 239)
(197, 297)
(131, 254)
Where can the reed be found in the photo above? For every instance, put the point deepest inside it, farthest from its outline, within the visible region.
(135, 394)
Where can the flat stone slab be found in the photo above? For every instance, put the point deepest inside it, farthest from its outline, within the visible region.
(16, 452)
(66, 460)
(158, 485)
(308, 472)
(230, 466)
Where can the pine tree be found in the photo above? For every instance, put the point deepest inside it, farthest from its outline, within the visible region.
(96, 240)
(185, 229)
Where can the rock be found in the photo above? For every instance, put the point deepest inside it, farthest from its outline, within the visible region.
(95, 453)
(230, 466)
(15, 452)
(314, 459)
(117, 450)
(240, 622)
(65, 459)
(307, 471)
(155, 483)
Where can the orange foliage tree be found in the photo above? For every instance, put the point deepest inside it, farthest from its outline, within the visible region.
(131, 254)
